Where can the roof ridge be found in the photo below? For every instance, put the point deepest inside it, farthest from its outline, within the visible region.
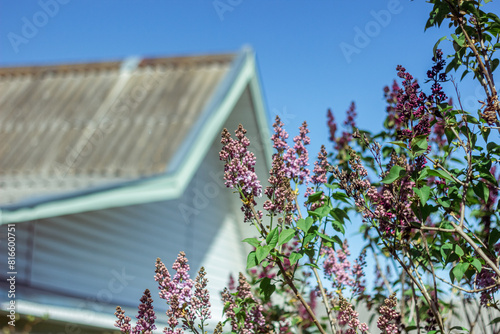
(176, 61)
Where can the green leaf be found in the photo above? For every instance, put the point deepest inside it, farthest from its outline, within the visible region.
(251, 260)
(400, 144)
(262, 252)
(272, 237)
(458, 250)
(495, 321)
(285, 236)
(338, 226)
(440, 173)
(315, 197)
(335, 238)
(305, 224)
(494, 236)
(294, 257)
(446, 250)
(481, 190)
(252, 241)
(476, 264)
(426, 210)
(494, 64)
(423, 193)
(423, 173)
(471, 119)
(339, 214)
(395, 173)
(492, 147)
(437, 44)
(332, 186)
(419, 145)
(459, 270)
(323, 211)
(266, 288)
(459, 41)
(485, 132)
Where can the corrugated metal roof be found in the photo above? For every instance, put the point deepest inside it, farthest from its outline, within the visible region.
(70, 127)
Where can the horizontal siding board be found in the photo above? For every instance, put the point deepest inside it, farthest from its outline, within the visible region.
(77, 254)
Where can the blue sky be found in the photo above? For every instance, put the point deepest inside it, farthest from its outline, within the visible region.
(312, 54)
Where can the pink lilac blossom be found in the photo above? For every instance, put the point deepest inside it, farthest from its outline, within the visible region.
(254, 321)
(410, 102)
(201, 298)
(348, 317)
(239, 169)
(279, 136)
(183, 304)
(297, 158)
(338, 269)
(123, 322)
(320, 167)
(145, 317)
(279, 193)
(285, 166)
(393, 118)
(342, 142)
(350, 125)
(389, 318)
(392, 202)
(332, 126)
(355, 182)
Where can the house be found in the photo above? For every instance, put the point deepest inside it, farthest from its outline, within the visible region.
(106, 166)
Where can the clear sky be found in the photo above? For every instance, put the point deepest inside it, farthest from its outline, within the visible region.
(312, 54)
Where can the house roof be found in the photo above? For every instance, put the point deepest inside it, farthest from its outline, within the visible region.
(82, 137)
(69, 127)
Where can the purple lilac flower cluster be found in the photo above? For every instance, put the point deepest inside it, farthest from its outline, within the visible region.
(485, 279)
(289, 163)
(437, 77)
(392, 202)
(297, 158)
(342, 143)
(348, 317)
(389, 318)
(338, 268)
(355, 182)
(411, 102)
(145, 317)
(239, 169)
(242, 302)
(391, 96)
(321, 168)
(177, 291)
(332, 126)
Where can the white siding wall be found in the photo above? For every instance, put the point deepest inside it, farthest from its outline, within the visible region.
(107, 257)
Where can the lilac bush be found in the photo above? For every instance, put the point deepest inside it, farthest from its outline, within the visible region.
(425, 189)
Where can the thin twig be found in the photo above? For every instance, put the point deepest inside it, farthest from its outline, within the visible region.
(290, 283)
(466, 290)
(444, 169)
(479, 251)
